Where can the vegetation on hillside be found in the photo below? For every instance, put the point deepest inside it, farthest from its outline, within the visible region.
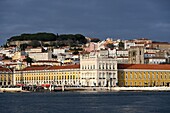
(49, 37)
(37, 36)
(56, 40)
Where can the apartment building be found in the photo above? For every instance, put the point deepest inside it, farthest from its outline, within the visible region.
(41, 56)
(33, 50)
(155, 60)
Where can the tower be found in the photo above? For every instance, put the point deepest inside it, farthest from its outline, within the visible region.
(136, 55)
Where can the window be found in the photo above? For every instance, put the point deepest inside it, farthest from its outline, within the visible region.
(110, 66)
(135, 83)
(130, 83)
(131, 77)
(103, 66)
(99, 65)
(140, 52)
(148, 76)
(144, 76)
(106, 66)
(126, 76)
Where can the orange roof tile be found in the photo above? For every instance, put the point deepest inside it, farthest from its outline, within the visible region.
(145, 66)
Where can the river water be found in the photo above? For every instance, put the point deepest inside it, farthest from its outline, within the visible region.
(85, 102)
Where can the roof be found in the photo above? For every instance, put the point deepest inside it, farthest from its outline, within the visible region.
(160, 42)
(51, 61)
(156, 58)
(136, 46)
(145, 66)
(5, 69)
(122, 57)
(43, 67)
(149, 53)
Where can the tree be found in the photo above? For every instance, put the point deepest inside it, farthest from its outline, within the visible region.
(95, 40)
(35, 43)
(29, 60)
(121, 45)
(23, 46)
(75, 52)
(111, 46)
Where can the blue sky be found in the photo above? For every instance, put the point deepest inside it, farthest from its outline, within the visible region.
(124, 19)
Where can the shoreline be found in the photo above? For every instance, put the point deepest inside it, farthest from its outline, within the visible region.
(115, 89)
(91, 89)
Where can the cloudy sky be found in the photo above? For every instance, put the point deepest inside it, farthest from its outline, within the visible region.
(124, 19)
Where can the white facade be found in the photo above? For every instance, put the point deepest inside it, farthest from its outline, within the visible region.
(151, 50)
(122, 60)
(34, 50)
(128, 45)
(122, 53)
(149, 55)
(7, 52)
(98, 71)
(112, 52)
(59, 50)
(41, 56)
(155, 60)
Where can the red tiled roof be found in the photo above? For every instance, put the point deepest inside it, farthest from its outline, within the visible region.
(31, 68)
(5, 69)
(145, 66)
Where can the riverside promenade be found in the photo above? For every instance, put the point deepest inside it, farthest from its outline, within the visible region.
(105, 89)
(163, 88)
(87, 89)
(16, 89)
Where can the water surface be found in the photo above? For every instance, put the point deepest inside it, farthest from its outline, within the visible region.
(85, 102)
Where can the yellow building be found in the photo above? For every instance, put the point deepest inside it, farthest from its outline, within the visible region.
(57, 75)
(143, 75)
(6, 76)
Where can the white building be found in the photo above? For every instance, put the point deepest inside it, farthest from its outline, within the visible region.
(149, 55)
(128, 44)
(33, 50)
(112, 52)
(122, 53)
(155, 60)
(9, 52)
(122, 60)
(58, 51)
(98, 70)
(41, 56)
